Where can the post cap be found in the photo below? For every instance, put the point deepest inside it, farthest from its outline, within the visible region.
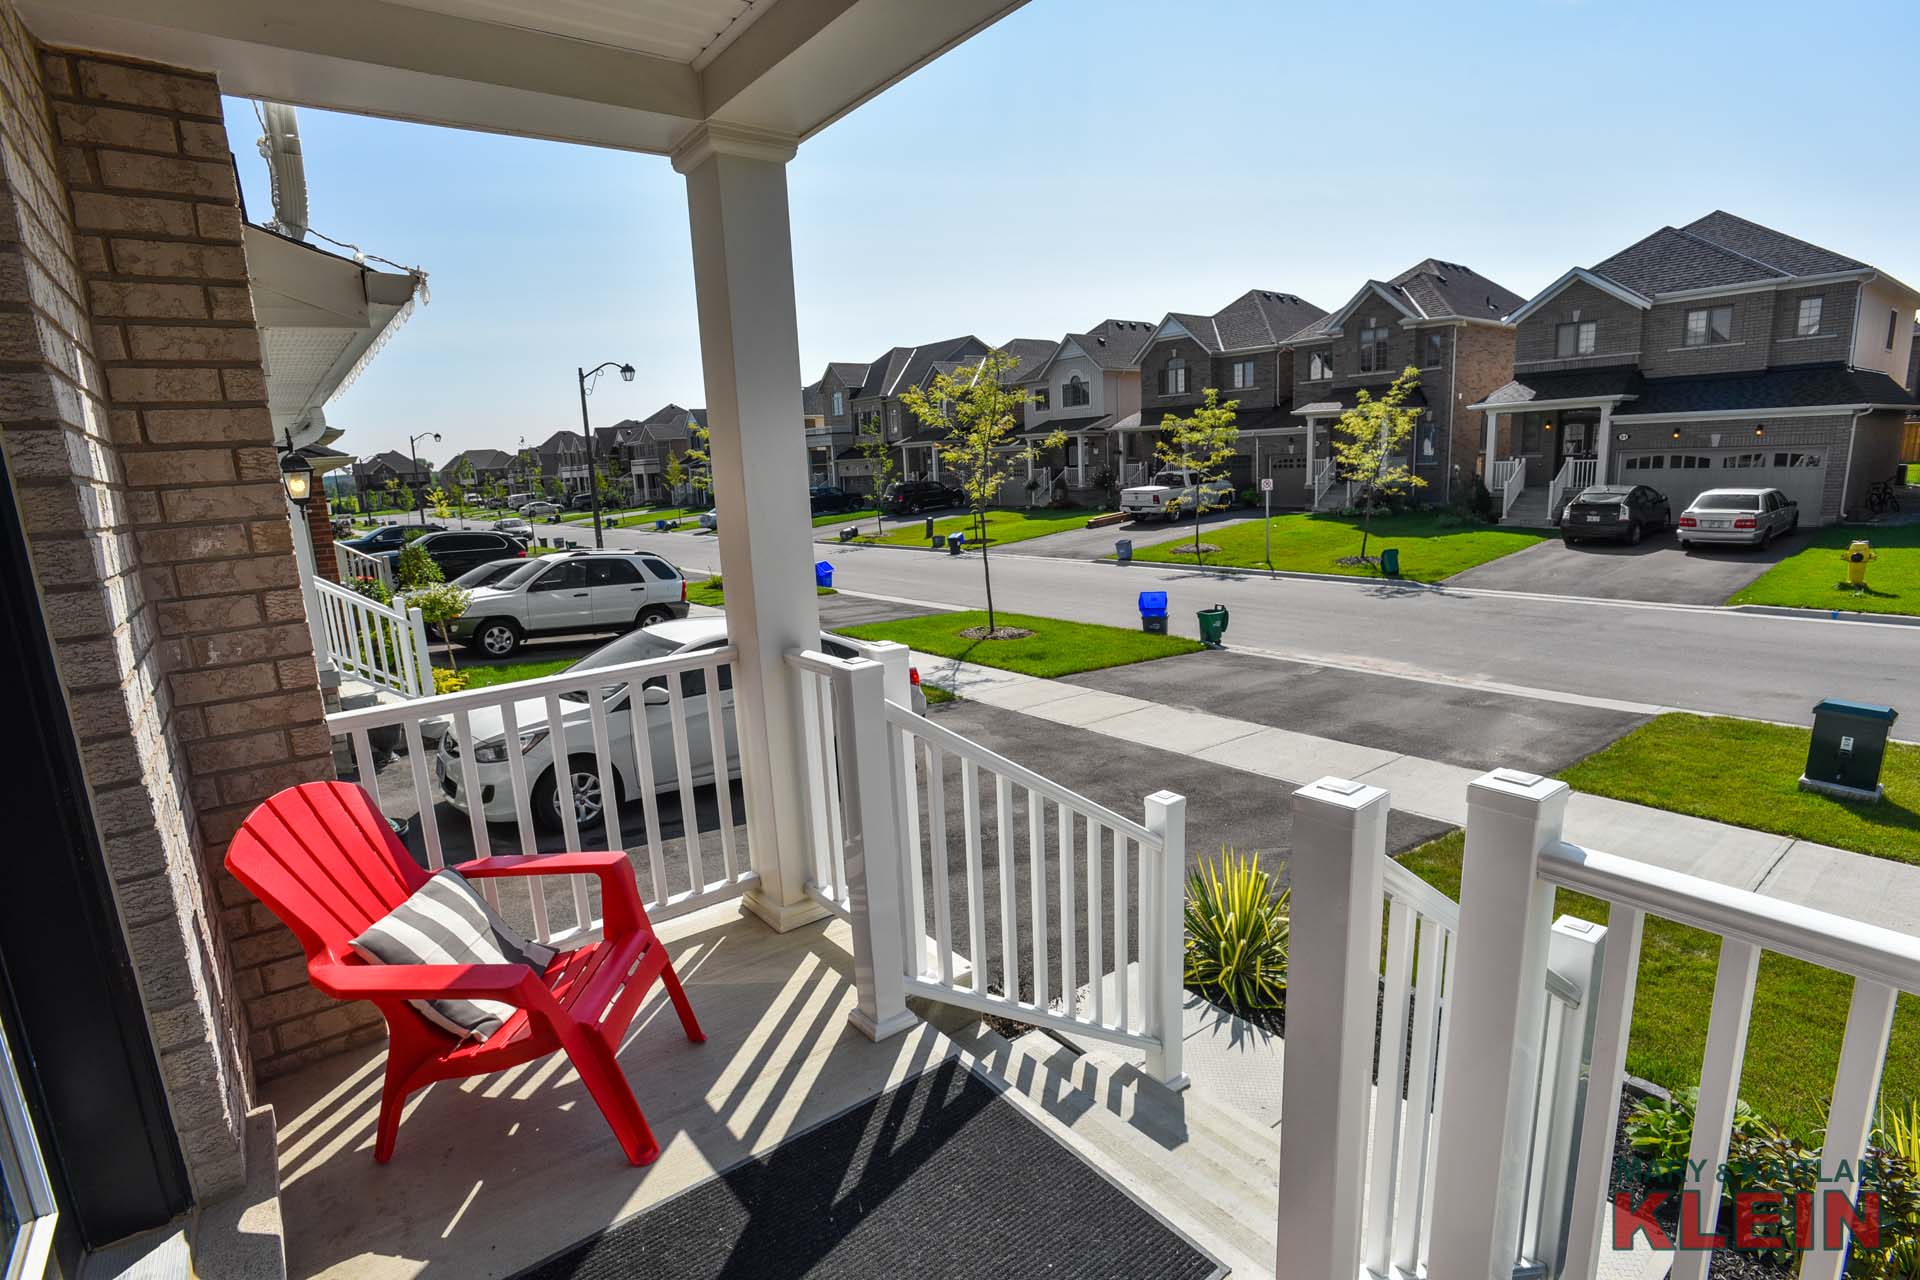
(1514, 791)
(1340, 795)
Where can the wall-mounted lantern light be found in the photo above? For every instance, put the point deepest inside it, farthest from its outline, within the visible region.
(296, 473)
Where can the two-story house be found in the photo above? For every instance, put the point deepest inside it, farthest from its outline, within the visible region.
(562, 456)
(488, 466)
(1240, 350)
(1442, 318)
(1082, 389)
(373, 476)
(859, 398)
(641, 448)
(1716, 355)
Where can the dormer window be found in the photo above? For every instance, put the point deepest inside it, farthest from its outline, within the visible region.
(1373, 348)
(1708, 326)
(1074, 392)
(1319, 366)
(1173, 379)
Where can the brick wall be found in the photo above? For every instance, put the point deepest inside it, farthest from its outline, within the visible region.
(1663, 353)
(1616, 335)
(1482, 364)
(1153, 367)
(320, 531)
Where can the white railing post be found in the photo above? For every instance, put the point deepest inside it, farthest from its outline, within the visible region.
(1863, 1057)
(1575, 951)
(873, 856)
(1339, 848)
(422, 656)
(1163, 938)
(1498, 1011)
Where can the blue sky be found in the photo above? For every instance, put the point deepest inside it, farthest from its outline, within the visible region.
(1092, 158)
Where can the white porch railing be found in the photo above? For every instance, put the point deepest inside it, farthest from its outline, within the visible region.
(1134, 473)
(1575, 475)
(1322, 481)
(1113, 884)
(1509, 481)
(1526, 1009)
(354, 563)
(380, 644)
(592, 719)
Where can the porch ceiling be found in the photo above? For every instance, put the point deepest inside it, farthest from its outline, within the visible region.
(640, 75)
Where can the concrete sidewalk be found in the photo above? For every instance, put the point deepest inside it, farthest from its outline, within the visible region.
(1875, 890)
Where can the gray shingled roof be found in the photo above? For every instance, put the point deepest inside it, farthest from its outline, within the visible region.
(1777, 249)
(811, 404)
(1029, 353)
(1439, 288)
(1718, 250)
(1574, 384)
(1794, 387)
(1114, 344)
(1262, 318)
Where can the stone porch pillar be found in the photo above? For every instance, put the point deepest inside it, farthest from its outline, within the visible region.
(750, 349)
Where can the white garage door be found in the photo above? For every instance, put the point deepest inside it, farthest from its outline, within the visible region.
(1682, 474)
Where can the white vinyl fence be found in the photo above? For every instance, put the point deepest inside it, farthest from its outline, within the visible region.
(380, 644)
(1509, 480)
(1576, 474)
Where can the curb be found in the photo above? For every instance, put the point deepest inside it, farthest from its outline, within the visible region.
(1825, 615)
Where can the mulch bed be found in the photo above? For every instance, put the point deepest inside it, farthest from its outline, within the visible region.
(998, 633)
(1188, 549)
(1354, 561)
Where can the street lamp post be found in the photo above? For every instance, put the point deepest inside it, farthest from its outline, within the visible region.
(593, 479)
(414, 458)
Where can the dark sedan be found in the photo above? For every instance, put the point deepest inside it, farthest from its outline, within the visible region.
(828, 499)
(391, 537)
(1616, 512)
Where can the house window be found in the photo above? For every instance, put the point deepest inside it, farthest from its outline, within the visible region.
(1893, 319)
(893, 419)
(1074, 392)
(1319, 366)
(1040, 398)
(1576, 339)
(1173, 380)
(1433, 350)
(1242, 374)
(839, 404)
(1709, 326)
(1373, 350)
(1806, 324)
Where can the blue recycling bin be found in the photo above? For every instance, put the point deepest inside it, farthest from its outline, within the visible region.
(823, 574)
(956, 543)
(660, 526)
(1153, 612)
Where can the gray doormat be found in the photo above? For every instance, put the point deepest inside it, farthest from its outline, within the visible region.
(940, 1177)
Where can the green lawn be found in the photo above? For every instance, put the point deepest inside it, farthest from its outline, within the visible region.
(1002, 526)
(1816, 578)
(711, 591)
(1799, 1010)
(1431, 546)
(1055, 648)
(1745, 773)
(479, 677)
(844, 517)
(643, 518)
(936, 695)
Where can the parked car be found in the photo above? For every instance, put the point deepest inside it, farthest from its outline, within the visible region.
(827, 499)
(1174, 494)
(457, 551)
(486, 728)
(391, 537)
(539, 507)
(710, 519)
(515, 525)
(1616, 512)
(580, 502)
(1745, 517)
(572, 593)
(907, 497)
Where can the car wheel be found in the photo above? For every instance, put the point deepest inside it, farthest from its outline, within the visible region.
(588, 809)
(1634, 534)
(1569, 542)
(497, 638)
(651, 614)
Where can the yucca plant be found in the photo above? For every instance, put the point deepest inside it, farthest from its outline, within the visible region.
(1897, 1148)
(1237, 933)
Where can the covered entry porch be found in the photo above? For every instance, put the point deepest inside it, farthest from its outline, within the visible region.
(1549, 436)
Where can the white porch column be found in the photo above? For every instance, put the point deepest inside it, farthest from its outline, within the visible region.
(1603, 447)
(1493, 445)
(750, 349)
(310, 596)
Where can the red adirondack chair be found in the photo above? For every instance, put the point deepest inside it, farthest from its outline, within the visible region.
(322, 857)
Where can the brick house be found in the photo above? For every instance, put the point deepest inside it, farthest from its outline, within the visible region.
(372, 475)
(641, 448)
(1718, 354)
(562, 458)
(1442, 318)
(1241, 350)
(854, 397)
(1082, 388)
(490, 466)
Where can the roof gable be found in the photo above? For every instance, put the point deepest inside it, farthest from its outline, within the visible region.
(1584, 276)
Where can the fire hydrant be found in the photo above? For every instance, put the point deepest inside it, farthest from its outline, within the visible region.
(1857, 556)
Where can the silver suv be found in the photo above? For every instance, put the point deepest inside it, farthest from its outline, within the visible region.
(572, 593)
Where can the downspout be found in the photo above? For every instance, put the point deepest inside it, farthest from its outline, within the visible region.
(1853, 434)
(1453, 389)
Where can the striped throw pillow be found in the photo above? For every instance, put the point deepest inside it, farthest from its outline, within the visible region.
(446, 921)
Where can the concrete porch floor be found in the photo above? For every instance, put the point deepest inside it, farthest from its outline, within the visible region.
(494, 1174)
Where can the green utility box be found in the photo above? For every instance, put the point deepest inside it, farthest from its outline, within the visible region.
(1390, 562)
(1213, 625)
(1849, 741)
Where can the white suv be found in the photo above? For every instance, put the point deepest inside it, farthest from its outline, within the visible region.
(572, 593)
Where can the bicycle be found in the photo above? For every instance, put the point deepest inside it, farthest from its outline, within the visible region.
(1881, 498)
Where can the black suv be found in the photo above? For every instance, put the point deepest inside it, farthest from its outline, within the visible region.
(457, 551)
(906, 497)
(390, 537)
(827, 499)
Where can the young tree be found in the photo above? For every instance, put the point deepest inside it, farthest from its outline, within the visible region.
(463, 477)
(608, 482)
(873, 446)
(1370, 446)
(394, 489)
(699, 462)
(1202, 446)
(441, 501)
(439, 604)
(675, 474)
(978, 411)
(555, 488)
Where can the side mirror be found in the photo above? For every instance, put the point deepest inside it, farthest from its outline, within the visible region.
(655, 695)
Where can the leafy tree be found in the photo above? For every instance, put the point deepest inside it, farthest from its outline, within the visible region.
(675, 474)
(1203, 446)
(441, 501)
(978, 410)
(345, 506)
(609, 483)
(464, 477)
(415, 568)
(1370, 446)
(873, 446)
(698, 461)
(393, 489)
(439, 604)
(555, 490)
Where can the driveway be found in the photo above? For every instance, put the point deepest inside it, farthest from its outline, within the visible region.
(1656, 570)
(1097, 544)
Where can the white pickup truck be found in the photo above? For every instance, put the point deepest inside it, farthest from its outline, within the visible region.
(1173, 495)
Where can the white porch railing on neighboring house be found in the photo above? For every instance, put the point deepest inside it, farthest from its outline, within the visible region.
(1533, 1026)
(1509, 481)
(1575, 475)
(1109, 884)
(593, 719)
(1134, 473)
(1322, 481)
(354, 563)
(383, 645)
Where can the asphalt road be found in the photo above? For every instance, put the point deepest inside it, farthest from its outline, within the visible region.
(1640, 655)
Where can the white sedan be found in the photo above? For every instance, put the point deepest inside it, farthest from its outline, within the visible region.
(533, 509)
(487, 728)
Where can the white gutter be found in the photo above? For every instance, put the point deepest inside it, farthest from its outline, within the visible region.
(1800, 411)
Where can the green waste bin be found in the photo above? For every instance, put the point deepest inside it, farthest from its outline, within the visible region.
(1390, 562)
(1849, 742)
(1213, 625)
